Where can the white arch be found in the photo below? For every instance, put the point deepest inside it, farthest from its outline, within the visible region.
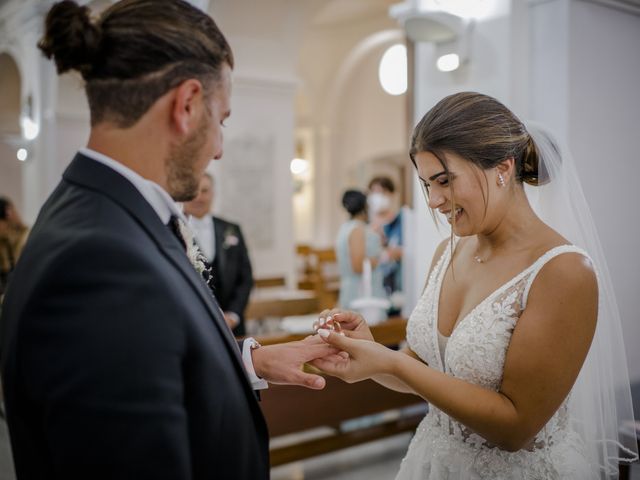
(349, 64)
(17, 92)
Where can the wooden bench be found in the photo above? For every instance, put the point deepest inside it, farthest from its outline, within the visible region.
(290, 409)
(280, 303)
(318, 271)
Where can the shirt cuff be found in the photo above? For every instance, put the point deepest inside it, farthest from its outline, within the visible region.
(256, 382)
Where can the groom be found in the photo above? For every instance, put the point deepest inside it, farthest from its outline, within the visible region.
(116, 359)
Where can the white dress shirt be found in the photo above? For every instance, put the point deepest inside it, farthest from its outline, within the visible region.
(205, 232)
(165, 207)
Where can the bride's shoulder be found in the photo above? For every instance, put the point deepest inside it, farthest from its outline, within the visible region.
(565, 270)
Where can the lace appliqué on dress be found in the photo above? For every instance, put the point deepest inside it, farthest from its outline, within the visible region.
(445, 449)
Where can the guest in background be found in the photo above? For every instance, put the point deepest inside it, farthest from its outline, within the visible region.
(357, 242)
(13, 234)
(223, 245)
(387, 221)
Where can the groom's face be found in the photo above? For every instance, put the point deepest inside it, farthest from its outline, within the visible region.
(201, 205)
(188, 161)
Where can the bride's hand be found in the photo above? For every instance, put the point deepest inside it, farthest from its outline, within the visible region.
(366, 358)
(352, 324)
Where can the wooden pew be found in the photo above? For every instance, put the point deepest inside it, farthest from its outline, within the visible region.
(290, 409)
(280, 303)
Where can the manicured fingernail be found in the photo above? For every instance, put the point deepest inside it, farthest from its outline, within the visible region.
(323, 332)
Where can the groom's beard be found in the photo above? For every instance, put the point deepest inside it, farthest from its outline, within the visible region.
(183, 181)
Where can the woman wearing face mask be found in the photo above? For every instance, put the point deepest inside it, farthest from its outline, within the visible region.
(516, 342)
(388, 222)
(355, 244)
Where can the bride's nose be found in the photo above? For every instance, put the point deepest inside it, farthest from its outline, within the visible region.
(436, 198)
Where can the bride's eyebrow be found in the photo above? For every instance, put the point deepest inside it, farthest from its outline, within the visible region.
(433, 177)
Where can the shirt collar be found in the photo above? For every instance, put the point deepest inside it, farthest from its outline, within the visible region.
(153, 193)
(203, 222)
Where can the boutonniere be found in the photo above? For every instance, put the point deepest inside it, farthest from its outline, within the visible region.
(194, 254)
(230, 238)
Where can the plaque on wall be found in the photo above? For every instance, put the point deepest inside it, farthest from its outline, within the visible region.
(247, 190)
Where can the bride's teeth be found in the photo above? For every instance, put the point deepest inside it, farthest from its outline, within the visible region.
(453, 213)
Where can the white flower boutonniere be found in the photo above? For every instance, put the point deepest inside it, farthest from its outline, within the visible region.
(230, 238)
(194, 254)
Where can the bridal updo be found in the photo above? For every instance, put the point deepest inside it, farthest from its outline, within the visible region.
(481, 130)
(134, 52)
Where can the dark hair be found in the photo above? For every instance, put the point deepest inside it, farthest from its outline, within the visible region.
(479, 129)
(354, 202)
(134, 53)
(5, 203)
(385, 183)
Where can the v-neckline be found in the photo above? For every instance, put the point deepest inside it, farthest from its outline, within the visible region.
(485, 299)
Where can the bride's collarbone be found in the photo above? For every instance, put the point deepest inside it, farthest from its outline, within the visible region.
(470, 283)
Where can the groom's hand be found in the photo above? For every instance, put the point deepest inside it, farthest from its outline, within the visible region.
(282, 363)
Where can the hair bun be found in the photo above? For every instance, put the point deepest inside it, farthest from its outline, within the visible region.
(533, 170)
(70, 37)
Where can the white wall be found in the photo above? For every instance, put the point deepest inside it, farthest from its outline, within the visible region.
(604, 125)
(253, 181)
(585, 70)
(254, 184)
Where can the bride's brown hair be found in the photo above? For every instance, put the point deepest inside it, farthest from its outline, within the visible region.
(481, 130)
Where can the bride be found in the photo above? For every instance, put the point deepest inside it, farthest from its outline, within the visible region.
(515, 342)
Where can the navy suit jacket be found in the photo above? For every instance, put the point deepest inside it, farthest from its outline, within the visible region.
(231, 271)
(116, 360)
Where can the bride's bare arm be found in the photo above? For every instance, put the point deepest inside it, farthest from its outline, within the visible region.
(394, 383)
(546, 352)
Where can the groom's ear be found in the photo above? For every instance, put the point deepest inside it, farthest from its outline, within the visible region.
(187, 106)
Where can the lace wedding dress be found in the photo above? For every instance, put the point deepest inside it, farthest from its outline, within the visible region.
(442, 448)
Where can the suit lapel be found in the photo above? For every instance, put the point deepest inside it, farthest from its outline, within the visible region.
(221, 253)
(96, 176)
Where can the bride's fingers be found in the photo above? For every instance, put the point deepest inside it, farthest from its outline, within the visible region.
(329, 367)
(335, 358)
(348, 320)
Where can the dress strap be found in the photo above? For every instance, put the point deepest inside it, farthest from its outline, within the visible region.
(543, 260)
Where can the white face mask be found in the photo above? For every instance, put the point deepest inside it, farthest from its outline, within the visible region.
(378, 202)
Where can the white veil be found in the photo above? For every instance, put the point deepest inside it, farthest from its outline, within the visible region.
(600, 405)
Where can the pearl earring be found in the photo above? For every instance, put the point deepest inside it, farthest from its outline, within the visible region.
(501, 180)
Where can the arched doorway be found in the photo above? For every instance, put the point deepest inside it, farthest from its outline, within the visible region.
(10, 132)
